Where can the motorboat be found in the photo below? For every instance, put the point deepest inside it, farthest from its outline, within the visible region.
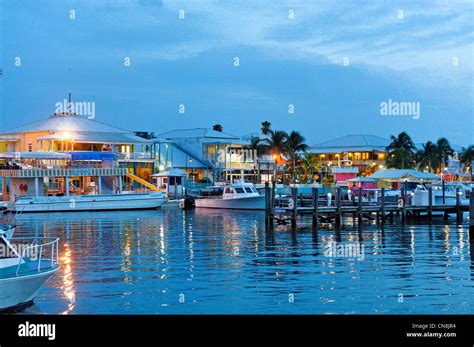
(25, 266)
(123, 201)
(238, 196)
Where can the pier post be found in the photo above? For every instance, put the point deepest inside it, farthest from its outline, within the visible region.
(66, 181)
(294, 197)
(314, 198)
(338, 206)
(273, 198)
(382, 192)
(359, 206)
(471, 218)
(458, 206)
(430, 203)
(404, 211)
(444, 191)
(267, 206)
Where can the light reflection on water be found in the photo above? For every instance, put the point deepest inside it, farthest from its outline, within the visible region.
(207, 261)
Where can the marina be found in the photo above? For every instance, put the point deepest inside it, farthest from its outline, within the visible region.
(174, 261)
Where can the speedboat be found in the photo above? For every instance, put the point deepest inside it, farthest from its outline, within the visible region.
(25, 265)
(238, 196)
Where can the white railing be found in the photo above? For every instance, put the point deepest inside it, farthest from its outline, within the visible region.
(36, 252)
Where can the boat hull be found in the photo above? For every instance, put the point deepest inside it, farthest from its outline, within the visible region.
(91, 203)
(19, 291)
(244, 203)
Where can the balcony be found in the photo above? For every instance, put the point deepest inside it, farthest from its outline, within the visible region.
(31, 173)
(137, 156)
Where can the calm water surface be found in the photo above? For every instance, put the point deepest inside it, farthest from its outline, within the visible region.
(206, 261)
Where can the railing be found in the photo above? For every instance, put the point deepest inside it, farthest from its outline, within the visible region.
(37, 252)
(63, 172)
(138, 155)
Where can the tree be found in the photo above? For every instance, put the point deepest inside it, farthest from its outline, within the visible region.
(466, 158)
(444, 151)
(310, 165)
(400, 151)
(217, 127)
(257, 148)
(266, 128)
(276, 143)
(428, 157)
(295, 144)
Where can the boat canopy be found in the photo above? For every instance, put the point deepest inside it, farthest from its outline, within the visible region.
(35, 155)
(92, 155)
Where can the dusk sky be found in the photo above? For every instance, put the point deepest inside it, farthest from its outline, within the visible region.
(334, 61)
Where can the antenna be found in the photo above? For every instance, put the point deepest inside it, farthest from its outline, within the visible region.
(69, 104)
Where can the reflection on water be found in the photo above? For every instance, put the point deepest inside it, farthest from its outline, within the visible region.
(206, 261)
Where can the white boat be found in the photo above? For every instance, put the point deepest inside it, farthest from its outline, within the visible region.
(239, 196)
(25, 265)
(122, 201)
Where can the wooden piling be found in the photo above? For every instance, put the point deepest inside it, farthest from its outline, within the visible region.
(294, 214)
(338, 206)
(430, 203)
(382, 192)
(444, 192)
(273, 199)
(458, 206)
(359, 206)
(404, 211)
(314, 199)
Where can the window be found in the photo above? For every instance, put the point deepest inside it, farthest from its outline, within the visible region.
(239, 190)
(30, 147)
(179, 180)
(172, 181)
(248, 190)
(228, 190)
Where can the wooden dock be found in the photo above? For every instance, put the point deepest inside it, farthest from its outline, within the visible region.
(331, 208)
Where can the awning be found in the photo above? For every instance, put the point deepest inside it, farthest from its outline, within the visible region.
(92, 155)
(35, 155)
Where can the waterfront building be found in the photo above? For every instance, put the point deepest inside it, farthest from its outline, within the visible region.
(351, 155)
(214, 156)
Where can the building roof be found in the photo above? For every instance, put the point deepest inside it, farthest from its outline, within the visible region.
(66, 123)
(399, 175)
(351, 143)
(96, 137)
(172, 172)
(197, 132)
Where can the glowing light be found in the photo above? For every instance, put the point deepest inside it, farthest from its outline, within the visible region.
(66, 136)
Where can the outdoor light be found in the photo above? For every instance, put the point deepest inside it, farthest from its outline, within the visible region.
(161, 167)
(67, 135)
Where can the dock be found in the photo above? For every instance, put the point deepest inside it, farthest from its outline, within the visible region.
(331, 208)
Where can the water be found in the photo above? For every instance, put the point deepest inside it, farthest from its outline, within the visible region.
(209, 261)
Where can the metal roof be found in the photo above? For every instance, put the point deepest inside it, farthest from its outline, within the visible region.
(351, 143)
(66, 123)
(96, 137)
(172, 172)
(197, 132)
(397, 175)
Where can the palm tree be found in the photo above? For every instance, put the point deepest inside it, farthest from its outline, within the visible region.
(444, 151)
(217, 127)
(400, 151)
(276, 143)
(295, 144)
(466, 158)
(310, 164)
(266, 127)
(428, 156)
(257, 148)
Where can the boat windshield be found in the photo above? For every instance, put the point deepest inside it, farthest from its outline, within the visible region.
(249, 190)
